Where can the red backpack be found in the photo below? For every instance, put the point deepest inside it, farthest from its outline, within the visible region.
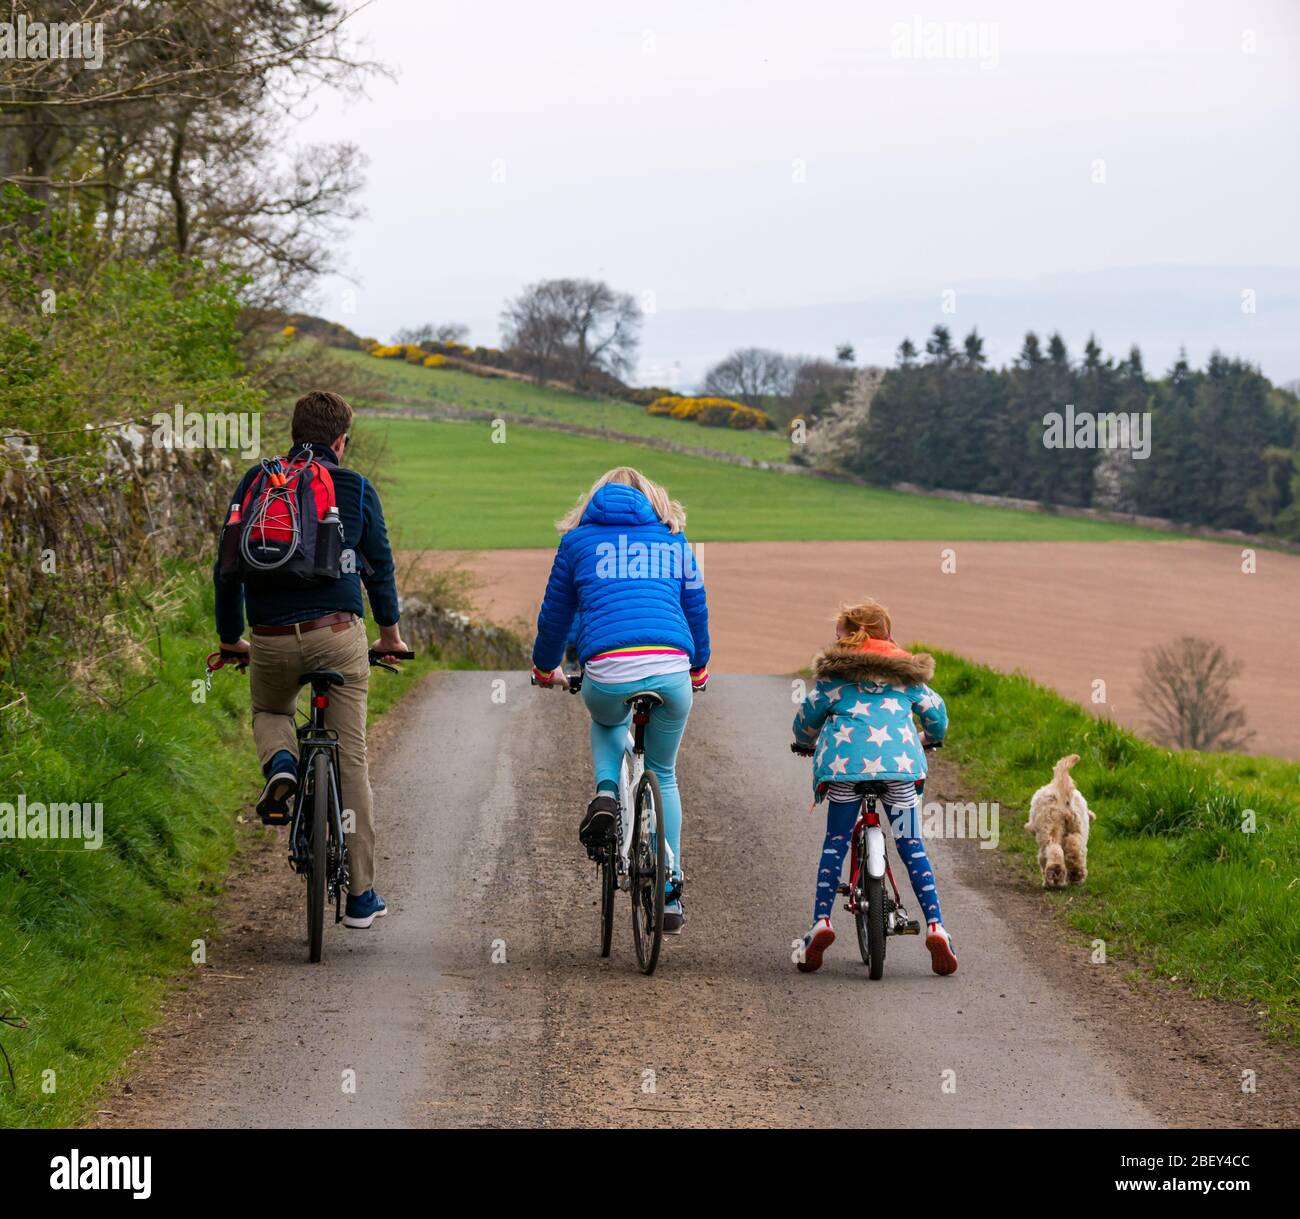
(286, 530)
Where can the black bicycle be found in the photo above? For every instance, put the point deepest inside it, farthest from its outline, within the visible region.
(318, 847)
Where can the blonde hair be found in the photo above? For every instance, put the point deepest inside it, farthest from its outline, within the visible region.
(667, 510)
(866, 620)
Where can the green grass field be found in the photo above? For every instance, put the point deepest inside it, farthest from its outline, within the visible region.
(523, 398)
(446, 485)
(1179, 875)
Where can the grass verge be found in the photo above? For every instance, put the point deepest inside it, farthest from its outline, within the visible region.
(90, 940)
(447, 485)
(1180, 875)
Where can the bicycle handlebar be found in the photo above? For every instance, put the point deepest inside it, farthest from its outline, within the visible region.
(378, 657)
(574, 680)
(807, 751)
(225, 656)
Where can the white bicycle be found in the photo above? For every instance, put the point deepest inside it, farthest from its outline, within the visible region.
(635, 856)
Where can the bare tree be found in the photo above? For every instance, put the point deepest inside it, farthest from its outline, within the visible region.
(446, 332)
(578, 325)
(535, 326)
(166, 132)
(817, 386)
(752, 375)
(1187, 687)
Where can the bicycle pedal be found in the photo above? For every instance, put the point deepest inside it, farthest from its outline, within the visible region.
(843, 890)
(908, 927)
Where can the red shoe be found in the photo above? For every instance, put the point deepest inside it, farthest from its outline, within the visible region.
(815, 943)
(942, 958)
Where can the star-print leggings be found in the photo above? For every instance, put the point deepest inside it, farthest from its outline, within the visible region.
(840, 818)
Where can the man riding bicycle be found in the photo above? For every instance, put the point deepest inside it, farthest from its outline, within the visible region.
(299, 622)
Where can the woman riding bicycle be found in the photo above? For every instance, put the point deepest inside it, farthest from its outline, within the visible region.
(625, 566)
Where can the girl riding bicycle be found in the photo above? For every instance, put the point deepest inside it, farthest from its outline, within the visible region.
(859, 714)
(624, 565)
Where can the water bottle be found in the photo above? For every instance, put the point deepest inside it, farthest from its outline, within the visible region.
(329, 544)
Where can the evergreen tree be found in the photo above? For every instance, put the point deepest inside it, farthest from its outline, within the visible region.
(1224, 445)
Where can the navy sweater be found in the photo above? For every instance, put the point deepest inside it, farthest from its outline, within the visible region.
(364, 532)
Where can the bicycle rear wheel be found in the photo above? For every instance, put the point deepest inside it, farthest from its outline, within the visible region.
(871, 925)
(648, 865)
(608, 887)
(859, 850)
(316, 852)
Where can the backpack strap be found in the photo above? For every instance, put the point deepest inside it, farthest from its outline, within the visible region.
(307, 508)
(327, 481)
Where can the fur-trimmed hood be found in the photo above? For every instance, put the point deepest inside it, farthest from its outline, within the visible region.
(880, 660)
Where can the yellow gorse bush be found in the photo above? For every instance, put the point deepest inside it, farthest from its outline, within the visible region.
(434, 361)
(711, 412)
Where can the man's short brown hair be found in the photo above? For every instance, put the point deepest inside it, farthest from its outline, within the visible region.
(321, 417)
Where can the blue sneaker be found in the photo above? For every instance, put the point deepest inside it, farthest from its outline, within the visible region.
(363, 909)
(275, 804)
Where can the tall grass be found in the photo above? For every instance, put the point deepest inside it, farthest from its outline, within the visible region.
(1194, 859)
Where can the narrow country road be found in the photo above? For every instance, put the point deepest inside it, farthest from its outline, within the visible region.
(481, 999)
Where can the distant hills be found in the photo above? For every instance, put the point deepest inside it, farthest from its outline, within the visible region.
(1160, 308)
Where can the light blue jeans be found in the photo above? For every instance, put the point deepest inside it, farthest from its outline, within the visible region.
(610, 722)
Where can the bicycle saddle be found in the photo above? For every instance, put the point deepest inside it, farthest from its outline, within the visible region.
(655, 700)
(873, 788)
(321, 677)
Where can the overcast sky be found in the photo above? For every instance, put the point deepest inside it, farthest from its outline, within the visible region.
(756, 154)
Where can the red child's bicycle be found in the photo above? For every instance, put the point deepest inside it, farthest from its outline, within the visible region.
(877, 914)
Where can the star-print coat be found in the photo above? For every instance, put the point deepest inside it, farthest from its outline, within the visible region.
(859, 713)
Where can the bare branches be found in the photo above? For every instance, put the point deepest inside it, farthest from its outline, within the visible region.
(1188, 692)
(175, 141)
(752, 375)
(579, 326)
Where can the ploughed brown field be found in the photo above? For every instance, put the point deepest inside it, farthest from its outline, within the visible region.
(1066, 613)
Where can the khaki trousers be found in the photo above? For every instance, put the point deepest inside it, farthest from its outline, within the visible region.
(274, 668)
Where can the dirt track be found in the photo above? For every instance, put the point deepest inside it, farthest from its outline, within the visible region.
(478, 802)
(1067, 613)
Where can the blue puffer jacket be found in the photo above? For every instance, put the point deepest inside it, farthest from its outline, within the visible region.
(633, 582)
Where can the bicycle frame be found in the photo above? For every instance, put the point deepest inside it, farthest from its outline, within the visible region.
(868, 844)
(629, 776)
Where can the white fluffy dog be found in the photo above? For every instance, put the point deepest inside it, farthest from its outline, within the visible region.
(1059, 817)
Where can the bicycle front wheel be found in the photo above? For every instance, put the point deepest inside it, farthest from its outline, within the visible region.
(649, 869)
(316, 852)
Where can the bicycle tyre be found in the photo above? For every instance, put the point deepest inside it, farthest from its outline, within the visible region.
(859, 851)
(648, 862)
(608, 887)
(871, 926)
(320, 791)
